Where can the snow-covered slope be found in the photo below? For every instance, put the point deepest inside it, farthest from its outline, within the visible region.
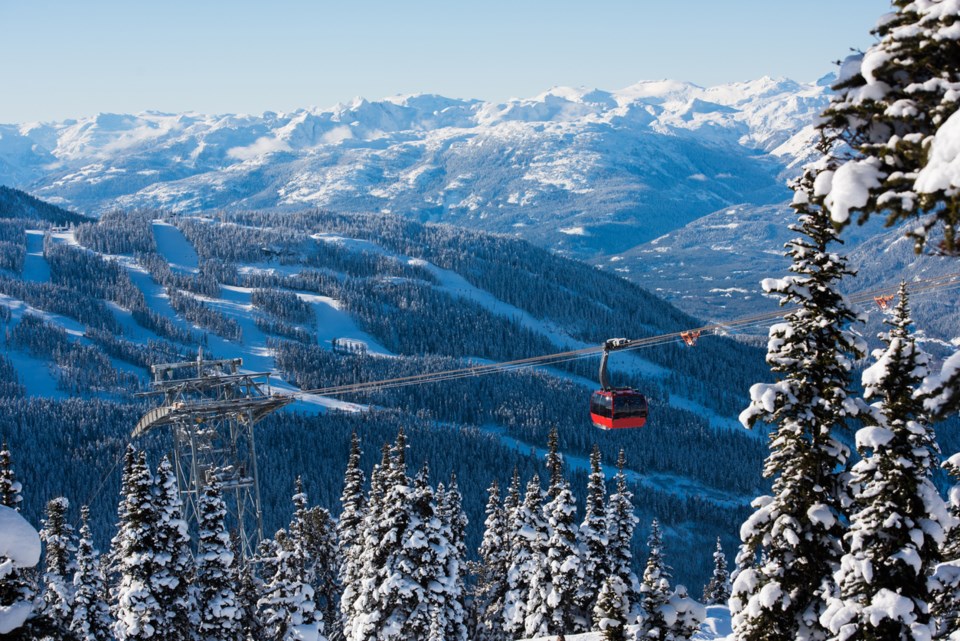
(582, 171)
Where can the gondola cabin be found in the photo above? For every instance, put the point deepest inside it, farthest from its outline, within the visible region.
(618, 408)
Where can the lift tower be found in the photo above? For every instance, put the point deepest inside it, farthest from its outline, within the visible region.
(211, 409)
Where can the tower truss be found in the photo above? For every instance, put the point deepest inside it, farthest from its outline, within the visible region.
(211, 409)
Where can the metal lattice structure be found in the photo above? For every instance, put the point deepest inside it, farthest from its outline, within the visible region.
(211, 409)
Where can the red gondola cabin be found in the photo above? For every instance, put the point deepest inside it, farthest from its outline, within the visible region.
(618, 408)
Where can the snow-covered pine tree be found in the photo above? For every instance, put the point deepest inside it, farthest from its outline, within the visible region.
(890, 114)
(554, 463)
(57, 591)
(363, 615)
(9, 485)
(350, 535)
(683, 615)
(561, 603)
(323, 567)
(897, 523)
(248, 594)
(593, 534)
(491, 584)
(654, 590)
(172, 580)
(454, 520)
(945, 605)
(216, 572)
(384, 598)
(717, 590)
(420, 579)
(90, 620)
(612, 609)
(528, 539)
(621, 524)
(287, 608)
(136, 612)
(792, 542)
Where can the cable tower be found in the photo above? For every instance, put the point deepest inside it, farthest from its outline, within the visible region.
(211, 409)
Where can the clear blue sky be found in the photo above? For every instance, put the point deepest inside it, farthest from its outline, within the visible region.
(69, 58)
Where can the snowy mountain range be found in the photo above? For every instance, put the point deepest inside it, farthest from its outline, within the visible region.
(585, 172)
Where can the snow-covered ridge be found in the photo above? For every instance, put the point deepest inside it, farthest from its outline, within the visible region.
(657, 153)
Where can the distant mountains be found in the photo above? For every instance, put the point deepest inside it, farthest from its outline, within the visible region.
(585, 172)
(677, 187)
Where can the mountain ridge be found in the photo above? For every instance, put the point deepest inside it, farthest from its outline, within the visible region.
(623, 166)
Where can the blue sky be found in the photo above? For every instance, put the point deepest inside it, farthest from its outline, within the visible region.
(61, 59)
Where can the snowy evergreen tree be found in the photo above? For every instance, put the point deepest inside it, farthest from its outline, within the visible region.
(621, 524)
(349, 535)
(389, 592)
(57, 592)
(593, 533)
(90, 620)
(491, 586)
(612, 609)
(717, 590)
(890, 120)
(19, 551)
(561, 603)
(248, 594)
(323, 567)
(420, 568)
(136, 612)
(683, 615)
(528, 540)
(791, 543)
(897, 525)
(172, 580)
(945, 607)
(9, 485)
(654, 590)
(554, 464)
(287, 609)
(454, 521)
(216, 572)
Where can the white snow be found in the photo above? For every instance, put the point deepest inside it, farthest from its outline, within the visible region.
(19, 548)
(942, 171)
(850, 188)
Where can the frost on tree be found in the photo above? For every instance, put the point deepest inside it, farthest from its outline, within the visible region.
(57, 591)
(19, 550)
(621, 524)
(136, 611)
(286, 605)
(9, 485)
(593, 533)
(792, 541)
(612, 609)
(717, 590)
(349, 531)
(216, 572)
(564, 564)
(891, 127)
(491, 582)
(654, 589)
(173, 573)
(90, 620)
(896, 527)
(528, 541)
(945, 607)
